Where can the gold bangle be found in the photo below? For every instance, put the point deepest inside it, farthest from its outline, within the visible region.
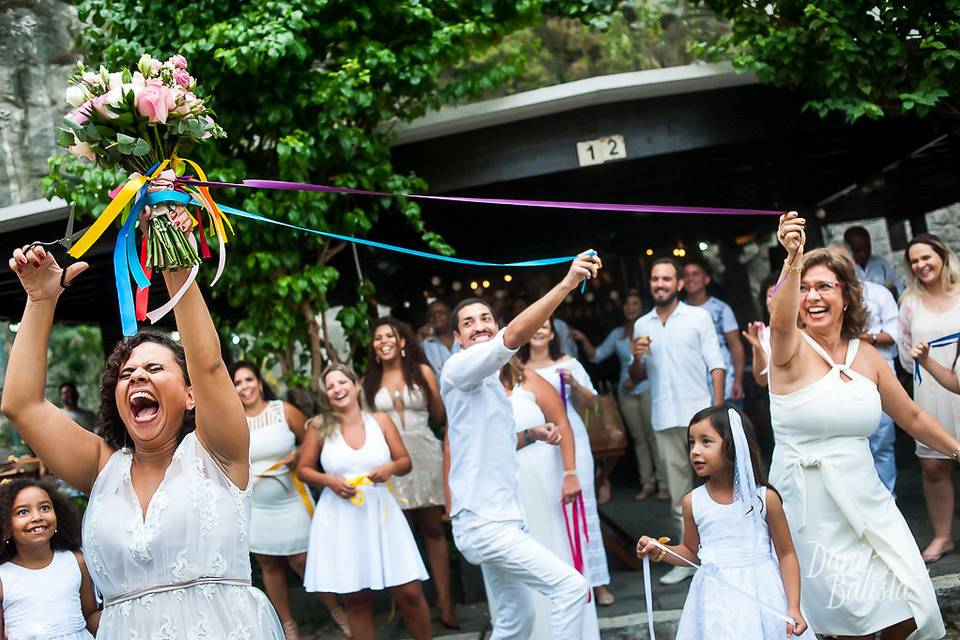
(569, 473)
(660, 555)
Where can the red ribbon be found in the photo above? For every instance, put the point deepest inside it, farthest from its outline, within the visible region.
(573, 539)
(143, 295)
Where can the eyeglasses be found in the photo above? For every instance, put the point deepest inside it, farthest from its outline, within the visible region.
(822, 288)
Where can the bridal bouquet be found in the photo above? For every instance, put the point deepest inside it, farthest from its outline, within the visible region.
(141, 120)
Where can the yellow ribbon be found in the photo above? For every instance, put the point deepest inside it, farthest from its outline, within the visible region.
(297, 484)
(359, 499)
(127, 193)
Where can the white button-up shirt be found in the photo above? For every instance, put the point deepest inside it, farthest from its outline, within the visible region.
(878, 270)
(682, 351)
(437, 353)
(483, 439)
(884, 316)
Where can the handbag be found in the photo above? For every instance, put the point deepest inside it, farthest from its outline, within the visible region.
(604, 424)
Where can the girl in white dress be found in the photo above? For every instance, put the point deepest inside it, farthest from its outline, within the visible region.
(45, 588)
(543, 355)
(736, 530)
(359, 539)
(281, 505)
(165, 531)
(545, 488)
(930, 309)
(862, 571)
(400, 382)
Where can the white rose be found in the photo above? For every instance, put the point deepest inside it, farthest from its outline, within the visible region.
(139, 82)
(116, 80)
(75, 96)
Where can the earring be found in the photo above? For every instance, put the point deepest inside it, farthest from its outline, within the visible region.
(378, 359)
(844, 307)
(403, 353)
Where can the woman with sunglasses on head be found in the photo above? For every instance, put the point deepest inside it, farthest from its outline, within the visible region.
(862, 571)
(400, 382)
(930, 309)
(282, 506)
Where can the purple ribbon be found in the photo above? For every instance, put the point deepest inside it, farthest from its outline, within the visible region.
(281, 185)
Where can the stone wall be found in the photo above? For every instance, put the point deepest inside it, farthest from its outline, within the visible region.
(37, 53)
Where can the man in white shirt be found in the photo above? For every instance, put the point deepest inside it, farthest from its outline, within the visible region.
(869, 268)
(436, 336)
(882, 333)
(695, 283)
(676, 347)
(488, 526)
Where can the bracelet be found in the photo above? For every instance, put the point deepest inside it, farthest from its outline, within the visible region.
(956, 454)
(572, 472)
(659, 556)
(791, 269)
(526, 436)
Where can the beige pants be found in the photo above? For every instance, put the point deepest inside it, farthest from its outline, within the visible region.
(672, 444)
(635, 410)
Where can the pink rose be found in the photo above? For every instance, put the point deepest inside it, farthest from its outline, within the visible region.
(209, 132)
(155, 102)
(110, 98)
(155, 66)
(178, 61)
(80, 115)
(92, 78)
(182, 78)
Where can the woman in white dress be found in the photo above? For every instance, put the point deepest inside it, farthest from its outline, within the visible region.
(282, 505)
(930, 309)
(400, 382)
(546, 489)
(861, 569)
(359, 539)
(543, 355)
(166, 529)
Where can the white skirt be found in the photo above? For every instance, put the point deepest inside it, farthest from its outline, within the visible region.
(355, 547)
(279, 520)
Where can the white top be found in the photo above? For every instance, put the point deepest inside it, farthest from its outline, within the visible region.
(682, 351)
(437, 352)
(884, 316)
(270, 439)
(196, 526)
(483, 441)
(42, 603)
(878, 271)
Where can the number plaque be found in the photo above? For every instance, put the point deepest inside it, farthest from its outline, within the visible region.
(606, 149)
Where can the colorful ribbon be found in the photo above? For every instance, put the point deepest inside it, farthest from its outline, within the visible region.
(579, 513)
(945, 341)
(359, 499)
(282, 185)
(297, 484)
(130, 199)
(648, 591)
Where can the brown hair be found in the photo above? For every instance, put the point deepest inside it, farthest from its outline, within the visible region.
(67, 535)
(412, 361)
(856, 318)
(325, 422)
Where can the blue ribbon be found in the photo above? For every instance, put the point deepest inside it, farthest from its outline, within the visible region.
(944, 341)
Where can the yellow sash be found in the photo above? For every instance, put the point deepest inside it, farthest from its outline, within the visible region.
(297, 484)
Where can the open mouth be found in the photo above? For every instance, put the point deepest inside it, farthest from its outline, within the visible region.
(144, 406)
(818, 311)
(248, 394)
(340, 395)
(481, 334)
(386, 349)
(38, 530)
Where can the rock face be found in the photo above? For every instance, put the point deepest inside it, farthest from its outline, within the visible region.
(37, 53)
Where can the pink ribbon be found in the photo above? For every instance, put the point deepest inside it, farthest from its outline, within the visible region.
(573, 538)
(281, 185)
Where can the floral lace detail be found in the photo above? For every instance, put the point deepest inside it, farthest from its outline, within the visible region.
(182, 570)
(241, 633)
(203, 497)
(199, 631)
(167, 630)
(241, 502)
(91, 547)
(218, 565)
(143, 532)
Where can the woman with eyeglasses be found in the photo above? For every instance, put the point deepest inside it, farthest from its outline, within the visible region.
(862, 571)
(930, 309)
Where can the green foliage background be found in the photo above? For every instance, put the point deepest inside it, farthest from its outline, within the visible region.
(303, 89)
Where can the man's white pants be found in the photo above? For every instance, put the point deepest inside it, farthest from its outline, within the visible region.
(512, 561)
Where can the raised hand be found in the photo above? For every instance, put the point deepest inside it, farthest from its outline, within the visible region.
(752, 334)
(792, 233)
(585, 266)
(40, 274)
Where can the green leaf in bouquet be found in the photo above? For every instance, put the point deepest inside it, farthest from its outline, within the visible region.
(92, 134)
(65, 138)
(125, 120)
(141, 147)
(105, 132)
(73, 125)
(181, 126)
